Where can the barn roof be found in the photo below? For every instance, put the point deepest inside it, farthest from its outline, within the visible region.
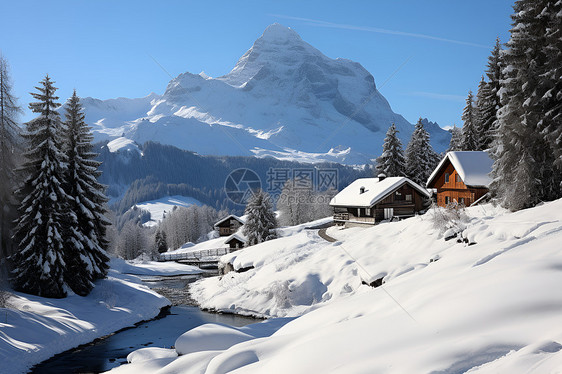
(472, 166)
(374, 191)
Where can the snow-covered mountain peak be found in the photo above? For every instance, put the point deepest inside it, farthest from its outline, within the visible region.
(277, 33)
(283, 98)
(279, 50)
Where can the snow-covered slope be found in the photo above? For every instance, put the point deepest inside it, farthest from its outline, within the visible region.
(157, 208)
(283, 98)
(489, 305)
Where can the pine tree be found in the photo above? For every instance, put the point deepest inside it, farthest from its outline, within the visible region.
(551, 100)
(524, 172)
(9, 142)
(87, 259)
(160, 241)
(421, 159)
(456, 139)
(486, 114)
(260, 223)
(392, 162)
(491, 97)
(469, 131)
(39, 263)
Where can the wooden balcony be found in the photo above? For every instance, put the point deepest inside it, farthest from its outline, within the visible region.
(347, 217)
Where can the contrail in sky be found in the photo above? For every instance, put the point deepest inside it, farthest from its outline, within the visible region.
(320, 23)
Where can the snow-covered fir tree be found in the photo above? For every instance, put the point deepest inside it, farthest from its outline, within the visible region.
(485, 116)
(489, 99)
(469, 128)
(524, 171)
(9, 143)
(261, 223)
(421, 159)
(86, 252)
(551, 100)
(456, 139)
(39, 262)
(392, 162)
(160, 241)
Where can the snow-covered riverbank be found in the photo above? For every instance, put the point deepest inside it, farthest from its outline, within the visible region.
(491, 304)
(35, 328)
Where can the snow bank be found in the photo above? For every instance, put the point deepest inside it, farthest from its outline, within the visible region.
(36, 328)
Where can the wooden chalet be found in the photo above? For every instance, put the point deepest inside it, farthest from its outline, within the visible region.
(461, 177)
(236, 241)
(371, 200)
(229, 225)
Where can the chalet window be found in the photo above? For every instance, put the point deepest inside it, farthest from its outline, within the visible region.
(408, 197)
(388, 213)
(458, 178)
(447, 198)
(446, 177)
(368, 212)
(461, 200)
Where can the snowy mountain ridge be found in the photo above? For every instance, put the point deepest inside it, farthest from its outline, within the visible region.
(283, 98)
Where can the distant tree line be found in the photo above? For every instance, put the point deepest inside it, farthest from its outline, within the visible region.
(165, 170)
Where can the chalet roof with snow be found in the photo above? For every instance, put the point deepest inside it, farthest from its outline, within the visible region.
(472, 166)
(366, 192)
(232, 216)
(236, 236)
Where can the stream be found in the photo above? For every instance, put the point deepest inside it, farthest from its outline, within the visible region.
(111, 351)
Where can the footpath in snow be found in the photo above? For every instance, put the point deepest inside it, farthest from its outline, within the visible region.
(35, 328)
(490, 303)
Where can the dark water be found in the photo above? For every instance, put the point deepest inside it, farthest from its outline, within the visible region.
(107, 353)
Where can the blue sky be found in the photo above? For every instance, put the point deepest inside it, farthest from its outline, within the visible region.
(424, 55)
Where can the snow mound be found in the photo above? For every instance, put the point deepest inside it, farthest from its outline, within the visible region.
(151, 353)
(209, 337)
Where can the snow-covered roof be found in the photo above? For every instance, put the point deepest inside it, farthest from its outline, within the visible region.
(229, 217)
(472, 166)
(374, 191)
(238, 236)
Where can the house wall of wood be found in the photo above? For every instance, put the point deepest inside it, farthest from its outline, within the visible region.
(235, 244)
(405, 202)
(228, 227)
(454, 190)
